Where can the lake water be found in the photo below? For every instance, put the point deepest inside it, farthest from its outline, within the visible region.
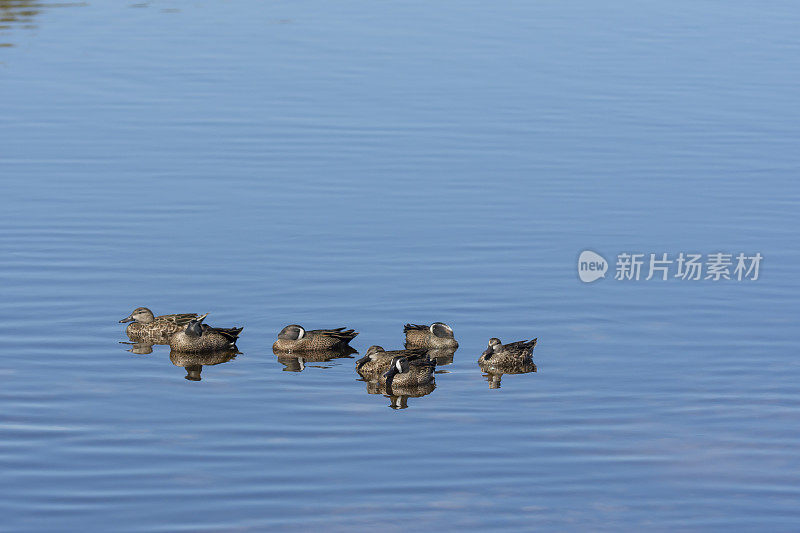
(366, 165)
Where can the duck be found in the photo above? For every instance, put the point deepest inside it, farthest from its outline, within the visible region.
(376, 360)
(513, 353)
(202, 338)
(145, 326)
(294, 338)
(437, 335)
(405, 372)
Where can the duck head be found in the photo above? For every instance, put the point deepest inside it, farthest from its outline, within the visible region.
(399, 365)
(140, 314)
(292, 332)
(372, 352)
(193, 373)
(494, 345)
(194, 328)
(441, 330)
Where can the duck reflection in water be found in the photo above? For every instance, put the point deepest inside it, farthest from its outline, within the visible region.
(495, 374)
(139, 348)
(194, 362)
(297, 361)
(442, 356)
(399, 395)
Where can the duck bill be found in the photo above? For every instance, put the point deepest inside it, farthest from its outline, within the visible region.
(361, 362)
(487, 353)
(128, 318)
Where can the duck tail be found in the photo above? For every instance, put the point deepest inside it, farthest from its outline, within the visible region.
(529, 345)
(232, 333)
(340, 333)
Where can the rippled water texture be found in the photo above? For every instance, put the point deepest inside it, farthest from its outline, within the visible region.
(366, 165)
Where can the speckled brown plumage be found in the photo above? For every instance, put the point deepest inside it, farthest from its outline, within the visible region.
(377, 362)
(294, 338)
(513, 353)
(202, 338)
(436, 335)
(148, 337)
(419, 372)
(145, 327)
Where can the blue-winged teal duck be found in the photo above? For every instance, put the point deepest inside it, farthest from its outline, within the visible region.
(296, 339)
(513, 353)
(202, 338)
(376, 360)
(437, 335)
(143, 325)
(404, 372)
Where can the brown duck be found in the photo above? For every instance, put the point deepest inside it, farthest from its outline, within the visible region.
(511, 354)
(294, 338)
(404, 372)
(202, 338)
(376, 360)
(404, 368)
(437, 335)
(146, 327)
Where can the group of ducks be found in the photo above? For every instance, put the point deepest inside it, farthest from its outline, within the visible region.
(393, 370)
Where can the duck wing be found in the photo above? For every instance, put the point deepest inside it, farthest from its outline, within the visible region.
(181, 319)
(337, 333)
(413, 327)
(521, 346)
(229, 333)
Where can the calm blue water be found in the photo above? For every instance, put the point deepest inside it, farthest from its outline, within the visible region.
(364, 165)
